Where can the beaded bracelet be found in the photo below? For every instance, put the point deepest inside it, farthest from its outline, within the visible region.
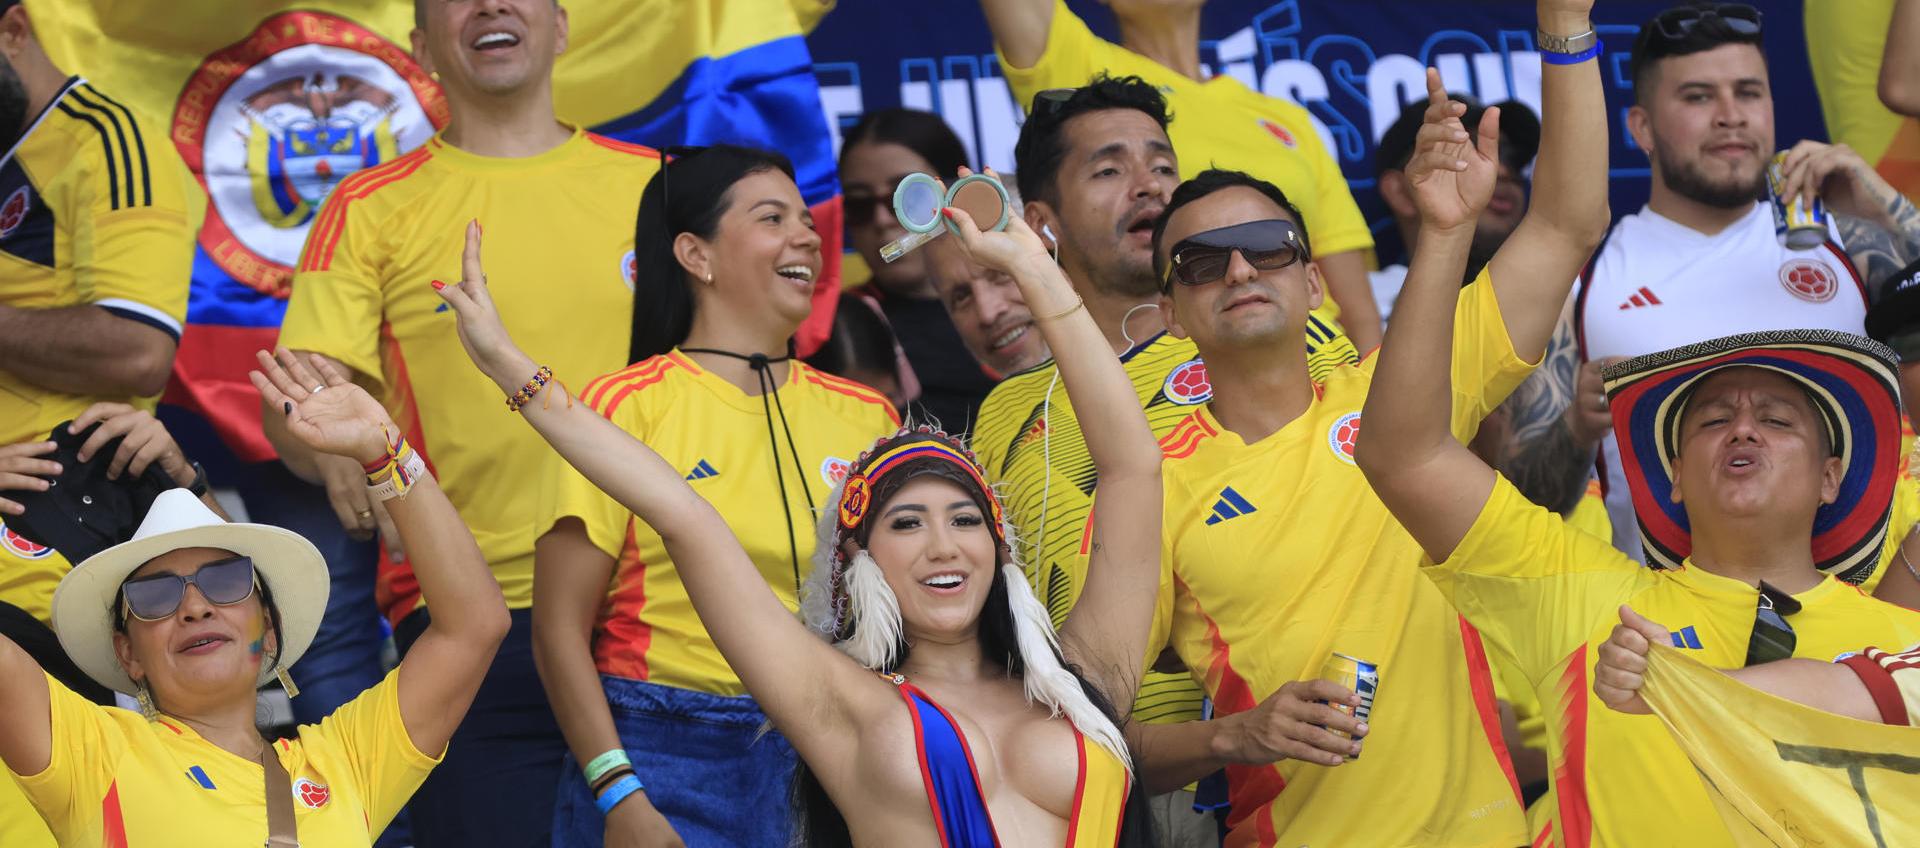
(525, 395)
(617, 792)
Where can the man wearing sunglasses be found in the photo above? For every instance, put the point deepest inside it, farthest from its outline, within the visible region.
(1702, 260)
(1755, 461)
(1278, 554)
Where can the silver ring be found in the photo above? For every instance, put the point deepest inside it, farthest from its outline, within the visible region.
(365, 513)
(316, 389)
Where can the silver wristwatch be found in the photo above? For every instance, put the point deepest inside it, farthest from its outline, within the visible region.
(1571, 45)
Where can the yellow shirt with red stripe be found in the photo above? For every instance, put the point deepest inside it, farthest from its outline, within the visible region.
(718, 437)
(1030, 443)
(94, 210)
(558, 251)
(119, 780)
(1277, 554)
(1550, 596)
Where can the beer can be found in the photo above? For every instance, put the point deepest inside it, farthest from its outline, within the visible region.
(1800, 224)
(1356, 674)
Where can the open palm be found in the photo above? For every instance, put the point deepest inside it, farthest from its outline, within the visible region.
(324, 409)
(1452, 178)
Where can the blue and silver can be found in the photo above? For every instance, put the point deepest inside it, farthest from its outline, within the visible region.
(1356, 674)
(1800, 224)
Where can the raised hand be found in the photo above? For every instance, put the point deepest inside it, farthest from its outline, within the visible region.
(1005, 251)
(1452, 178)
(1842, 180)
(324, 409)
(481, 331)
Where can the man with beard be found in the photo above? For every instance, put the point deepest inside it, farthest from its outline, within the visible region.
(1096, 169)
(1701, 260)
(95, 252)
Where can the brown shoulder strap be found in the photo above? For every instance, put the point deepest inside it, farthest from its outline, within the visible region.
(281, 831)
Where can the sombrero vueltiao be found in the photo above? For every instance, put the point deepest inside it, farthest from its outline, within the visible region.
(1853, 380)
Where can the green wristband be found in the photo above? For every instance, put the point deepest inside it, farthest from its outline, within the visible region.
(605, 763)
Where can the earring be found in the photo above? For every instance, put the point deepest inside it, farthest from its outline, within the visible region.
(709, 278)
(433, 75)
(145, 697)
(286, 682)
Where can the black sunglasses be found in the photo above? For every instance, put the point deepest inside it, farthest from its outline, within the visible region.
(1051, 100)
(223, 583)
(1677, 24)
(1773, 638)
(1201, 258)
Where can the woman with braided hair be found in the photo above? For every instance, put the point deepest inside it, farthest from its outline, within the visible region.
(947, 709)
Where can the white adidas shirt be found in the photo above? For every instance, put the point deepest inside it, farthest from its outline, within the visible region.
(1658, 285)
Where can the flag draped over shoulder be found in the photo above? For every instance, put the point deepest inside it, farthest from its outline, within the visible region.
(271, 104)
(1786, 774)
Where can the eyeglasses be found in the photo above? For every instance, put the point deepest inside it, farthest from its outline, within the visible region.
(1204, 257)
(1051, 100)
(1773, 638)
(1677, 24)
(861, 209)
(222, 583)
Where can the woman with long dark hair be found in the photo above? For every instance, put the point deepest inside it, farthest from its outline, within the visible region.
(725, 261)
(947, 710)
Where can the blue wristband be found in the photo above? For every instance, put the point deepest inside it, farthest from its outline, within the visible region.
(1553, 58)
(616, 793)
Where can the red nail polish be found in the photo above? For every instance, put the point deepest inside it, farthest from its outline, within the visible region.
(948, 211)
(437, 285)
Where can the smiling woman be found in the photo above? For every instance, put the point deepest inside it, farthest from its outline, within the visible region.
(193, 613)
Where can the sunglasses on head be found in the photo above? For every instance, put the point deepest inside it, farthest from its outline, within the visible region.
(1677, 24)
(223, 583)
(1052, 100)
(1773, 638)
(1201, 258)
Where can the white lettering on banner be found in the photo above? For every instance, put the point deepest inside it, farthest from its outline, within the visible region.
(1353, 93)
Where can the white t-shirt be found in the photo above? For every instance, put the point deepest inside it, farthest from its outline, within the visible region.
(1657, 284)
(1386, 284)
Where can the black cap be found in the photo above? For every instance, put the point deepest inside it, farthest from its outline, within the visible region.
(1519, 132)
(83, 512)
(1894, 315)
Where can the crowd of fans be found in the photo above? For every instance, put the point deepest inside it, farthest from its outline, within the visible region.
(1047, 544)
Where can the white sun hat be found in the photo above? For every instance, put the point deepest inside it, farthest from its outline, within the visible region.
(289, 565)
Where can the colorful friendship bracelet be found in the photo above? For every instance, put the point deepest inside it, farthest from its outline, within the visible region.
(397, 473)
(527, 392)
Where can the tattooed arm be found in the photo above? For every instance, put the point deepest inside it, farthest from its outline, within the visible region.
(1879, 228)
(1558, 416)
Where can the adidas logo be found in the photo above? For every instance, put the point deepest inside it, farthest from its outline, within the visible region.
(701, 471)
(1643, 297)
(1686, 638)
(1230, 505)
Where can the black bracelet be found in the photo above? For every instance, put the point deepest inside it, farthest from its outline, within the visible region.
(609, 779)
(198, 488)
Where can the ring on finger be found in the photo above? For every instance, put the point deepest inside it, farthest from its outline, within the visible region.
(316, 389)
(365, 513)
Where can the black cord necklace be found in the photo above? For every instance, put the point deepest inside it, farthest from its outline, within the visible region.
(762, 366)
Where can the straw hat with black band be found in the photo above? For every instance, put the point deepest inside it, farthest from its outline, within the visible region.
(1854, 383)
(288, 565)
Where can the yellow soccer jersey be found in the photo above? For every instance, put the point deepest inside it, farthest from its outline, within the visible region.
(1030, 444)
(1278, 553)
(717, 435)
(559, 255)
(92, 211)
(117, 779)
(1219, 123)
(1845, 42)
(1550, 596)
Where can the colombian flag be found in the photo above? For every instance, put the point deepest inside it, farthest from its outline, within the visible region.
(271, 104)
(1785, 774)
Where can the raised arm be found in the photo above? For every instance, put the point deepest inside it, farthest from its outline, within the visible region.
(1020, 29)
(1533, 271)
(443, 670)
(798, 679)
(1433, 484)
(1900, 62)
(1106, 633)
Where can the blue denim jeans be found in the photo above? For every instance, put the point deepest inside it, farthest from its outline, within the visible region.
(495, 787)
(705, 762)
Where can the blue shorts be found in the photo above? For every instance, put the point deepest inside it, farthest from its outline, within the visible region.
(706, 764)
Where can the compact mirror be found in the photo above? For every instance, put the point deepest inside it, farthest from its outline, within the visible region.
(918, 199)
